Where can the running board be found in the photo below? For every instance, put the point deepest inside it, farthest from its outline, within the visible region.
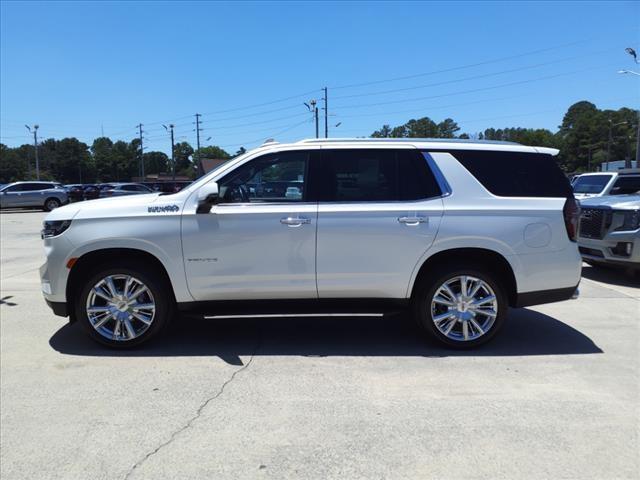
(295, 307)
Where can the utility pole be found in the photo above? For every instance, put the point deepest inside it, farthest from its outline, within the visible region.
(197, 156)
(326, 114)
(35, 145)
(141, 152)
(173, 158)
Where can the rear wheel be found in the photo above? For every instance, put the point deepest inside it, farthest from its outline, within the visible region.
(460, 306)
(123, 306)
(51, 204)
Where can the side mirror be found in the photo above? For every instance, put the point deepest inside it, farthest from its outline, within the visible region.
(207, 197)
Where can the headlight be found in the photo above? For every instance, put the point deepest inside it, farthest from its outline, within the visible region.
(54, 228)
(630, 219)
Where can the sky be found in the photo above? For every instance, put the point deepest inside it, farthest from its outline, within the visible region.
(81, 69)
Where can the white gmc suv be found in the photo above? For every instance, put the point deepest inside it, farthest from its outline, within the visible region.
(456, 231)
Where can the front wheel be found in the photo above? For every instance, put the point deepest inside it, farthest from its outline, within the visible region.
(459, 306)
(123, 306)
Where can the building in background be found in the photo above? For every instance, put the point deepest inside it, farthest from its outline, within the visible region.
(617, 165)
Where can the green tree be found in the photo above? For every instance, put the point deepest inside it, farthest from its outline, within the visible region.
(155, 162)
(182, 151)
(213, 152)
(384, 132)
(14, 163)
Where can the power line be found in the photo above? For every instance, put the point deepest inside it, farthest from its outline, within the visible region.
(474, 77)
(461, 67)
(474, 90)
(261, 139)
(247, 107)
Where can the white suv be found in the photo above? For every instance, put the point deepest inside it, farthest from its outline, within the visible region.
(455, 231)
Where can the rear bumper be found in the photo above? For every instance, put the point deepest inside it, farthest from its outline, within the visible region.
(539, 297)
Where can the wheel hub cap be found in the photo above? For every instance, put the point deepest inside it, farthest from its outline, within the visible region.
(464, 308)
(120, 307)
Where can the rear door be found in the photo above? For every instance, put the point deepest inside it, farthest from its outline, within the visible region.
(378, 214)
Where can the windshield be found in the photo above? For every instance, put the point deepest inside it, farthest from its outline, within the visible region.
(591, 183)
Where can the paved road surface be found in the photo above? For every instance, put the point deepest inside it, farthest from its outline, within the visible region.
(555, 396)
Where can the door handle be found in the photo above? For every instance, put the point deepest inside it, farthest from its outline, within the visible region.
(295, 222)
(413, 220)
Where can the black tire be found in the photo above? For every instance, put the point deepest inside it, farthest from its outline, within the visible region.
(429, 285)
(161, 293)
(51, 204)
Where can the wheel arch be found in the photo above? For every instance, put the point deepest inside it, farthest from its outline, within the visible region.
(488, 259)
(83, 265)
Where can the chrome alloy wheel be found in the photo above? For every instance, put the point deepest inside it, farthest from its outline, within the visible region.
(120, 307)
(464, 308)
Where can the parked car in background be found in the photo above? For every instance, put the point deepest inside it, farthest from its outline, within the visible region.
(75, 192)
(600, 184)
(91, 192)
(167, 187)
(45, 195)
(121, 189)
(609, 231)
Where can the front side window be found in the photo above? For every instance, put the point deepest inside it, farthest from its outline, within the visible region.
(375, 175)
(32, 187)
(275, 177)
(626, 185)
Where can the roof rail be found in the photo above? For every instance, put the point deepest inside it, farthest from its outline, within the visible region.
(406, 140)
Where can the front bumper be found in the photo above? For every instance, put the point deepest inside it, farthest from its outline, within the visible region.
(59, 308)
(615, 248)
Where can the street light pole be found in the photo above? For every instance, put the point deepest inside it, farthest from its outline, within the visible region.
(326, 113)
(173, 158)
(633, 53)
(141, 152)
(35, 146)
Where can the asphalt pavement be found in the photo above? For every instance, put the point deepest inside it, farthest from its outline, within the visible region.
(555, 395)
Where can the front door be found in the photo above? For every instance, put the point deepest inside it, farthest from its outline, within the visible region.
(12, 196)
(259, 241)
(379, 213)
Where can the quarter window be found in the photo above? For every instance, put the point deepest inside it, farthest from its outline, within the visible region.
(275, 177)
(516, 174)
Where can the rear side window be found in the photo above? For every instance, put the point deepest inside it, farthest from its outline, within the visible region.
(375, 175)
(516, 174)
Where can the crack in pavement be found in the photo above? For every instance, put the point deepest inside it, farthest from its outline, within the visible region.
(199, 411)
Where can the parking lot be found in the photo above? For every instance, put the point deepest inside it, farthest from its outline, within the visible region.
(555, 395)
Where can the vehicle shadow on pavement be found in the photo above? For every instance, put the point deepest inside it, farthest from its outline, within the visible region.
(614, 276)
(526, 332)
(21, 210)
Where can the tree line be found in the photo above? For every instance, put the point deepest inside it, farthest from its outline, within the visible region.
(586, 137)
(69, 160)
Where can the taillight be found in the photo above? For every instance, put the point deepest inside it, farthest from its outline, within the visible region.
(571, 212)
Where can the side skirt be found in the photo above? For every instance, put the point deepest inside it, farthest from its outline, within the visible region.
(294, 306)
